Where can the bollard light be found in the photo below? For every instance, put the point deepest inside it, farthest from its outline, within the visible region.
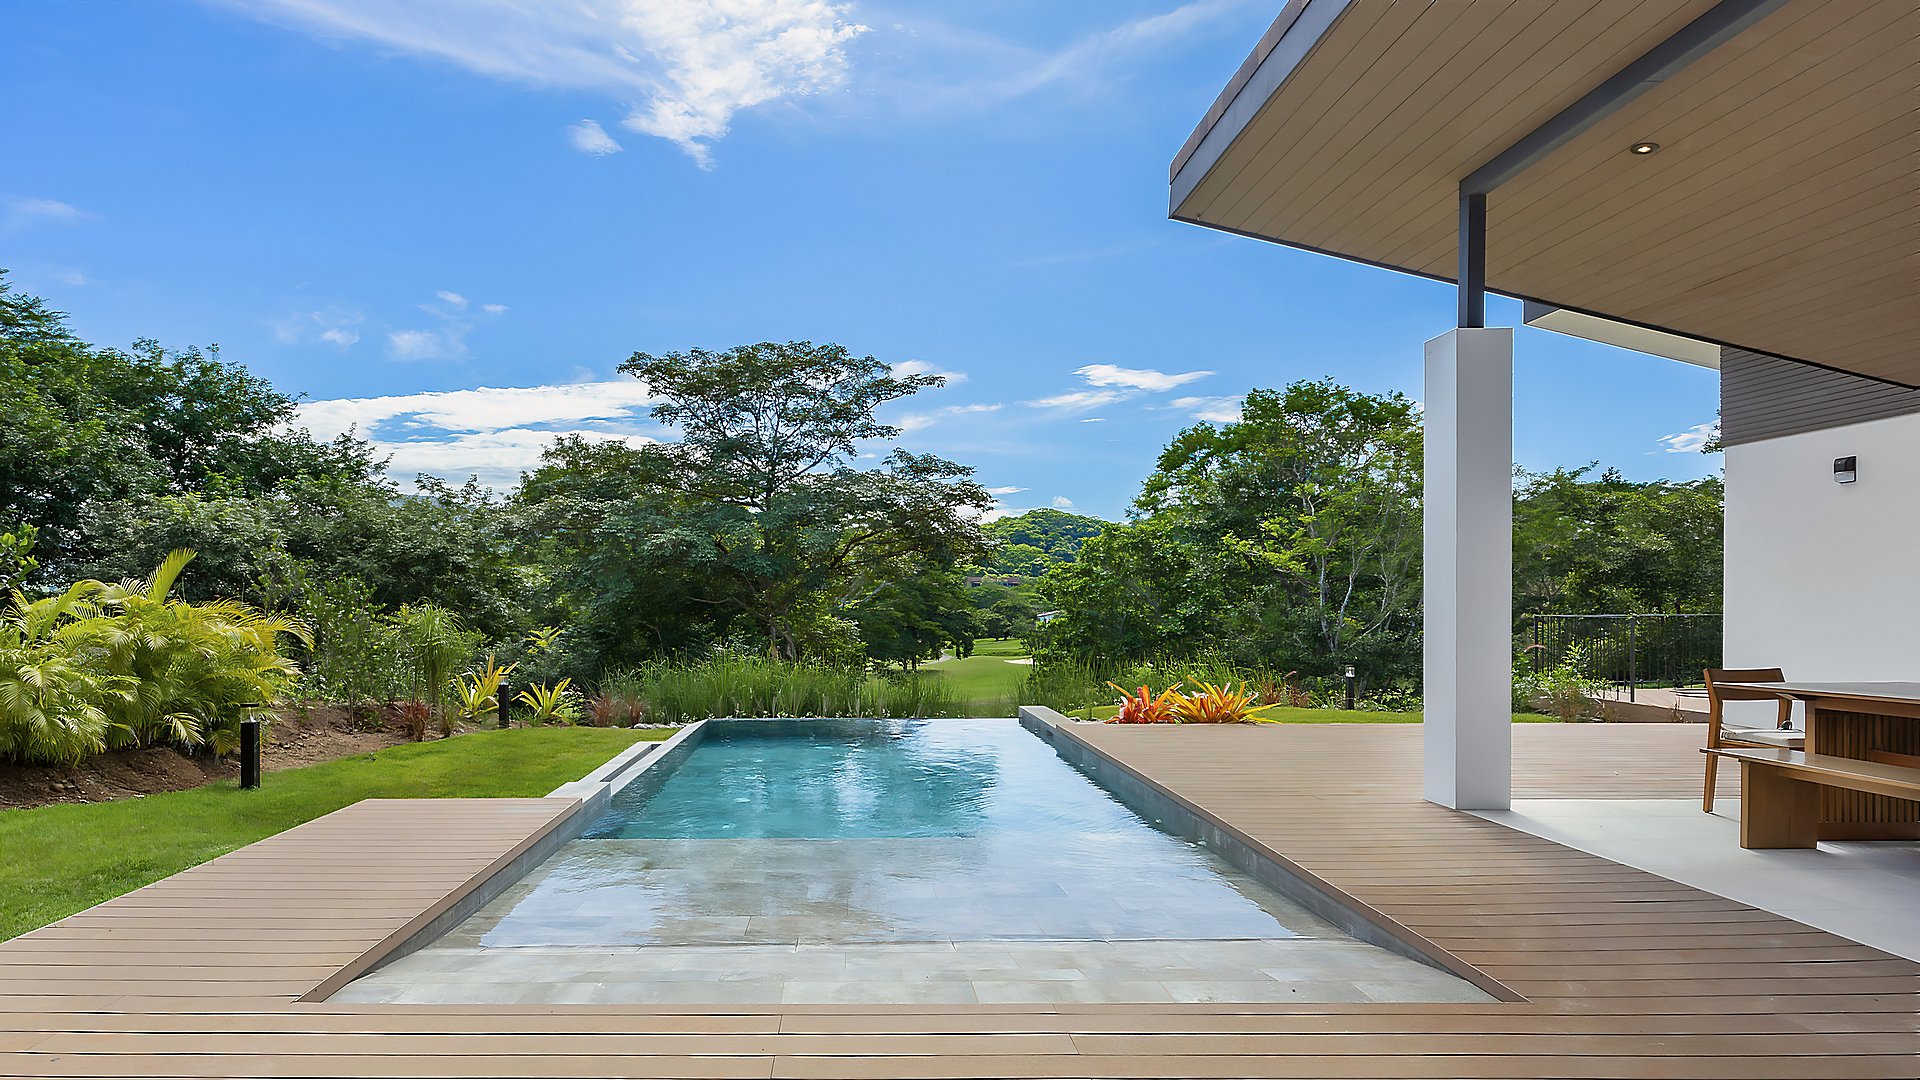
(249, 753)
(1349, 687)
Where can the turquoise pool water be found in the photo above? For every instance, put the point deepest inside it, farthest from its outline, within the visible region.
(841, 780)
(820, 832)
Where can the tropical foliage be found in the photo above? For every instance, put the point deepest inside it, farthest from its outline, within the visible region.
(101, 667)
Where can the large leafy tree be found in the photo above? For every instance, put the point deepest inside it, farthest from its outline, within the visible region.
(1292, 535)
(756, 517)
(87, 431)
(1586, 543)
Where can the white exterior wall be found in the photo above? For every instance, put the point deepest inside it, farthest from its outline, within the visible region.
(1823, 579)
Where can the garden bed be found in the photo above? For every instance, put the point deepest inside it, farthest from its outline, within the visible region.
(299, 737)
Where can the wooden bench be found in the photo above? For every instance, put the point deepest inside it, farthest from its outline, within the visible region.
(1780, 789)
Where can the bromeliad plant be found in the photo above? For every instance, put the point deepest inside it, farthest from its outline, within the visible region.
(1208, 705)
(1142, 707)
(1219, 705)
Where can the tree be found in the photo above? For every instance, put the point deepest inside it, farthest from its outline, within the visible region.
(756, 515)
(1300, 530)
(1606, 544)
(1031, 543)
(915, 618)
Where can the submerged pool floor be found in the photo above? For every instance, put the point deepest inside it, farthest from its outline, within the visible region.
(919, 862)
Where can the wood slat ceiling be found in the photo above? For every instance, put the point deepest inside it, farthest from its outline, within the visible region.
(1781, 214)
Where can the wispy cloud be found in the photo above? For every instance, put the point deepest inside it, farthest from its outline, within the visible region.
(1693, 440)
(687, 65)
(589, 137)
(336, 326)
(1005, 490)
(445, 344)
(1081, 400)
(22, 210)
(1061, 502)
(910, 422)
(1136, 378)
(452, 299)
(493, 309)
(970, 68)
(1218, 410)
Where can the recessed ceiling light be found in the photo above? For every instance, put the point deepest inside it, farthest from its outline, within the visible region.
(1644, 148)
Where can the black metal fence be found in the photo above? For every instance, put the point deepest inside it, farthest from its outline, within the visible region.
(1627, 650)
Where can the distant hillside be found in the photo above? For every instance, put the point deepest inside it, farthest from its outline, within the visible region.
(1038, 539)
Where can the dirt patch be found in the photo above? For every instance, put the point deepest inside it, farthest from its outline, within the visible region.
(299, 737)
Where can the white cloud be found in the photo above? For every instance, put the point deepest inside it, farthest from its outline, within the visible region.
(1081, 400)
(1093, 419)
(452, 299)
(24, 210)
(493, 309)
(1005, 490)
(447, 344)
(1061, 502)
(1136, 378)
(481, 409)
(1692, 440)
(689, 64)
(69, 277)
(1218, 410)
(496, 457)
(340, 335)
(920, 367)
(589, 137)
(492, 432)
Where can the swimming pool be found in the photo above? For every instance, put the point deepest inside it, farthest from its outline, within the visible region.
(951, 857)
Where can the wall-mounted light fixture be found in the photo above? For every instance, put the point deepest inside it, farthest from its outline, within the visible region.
(1644, 148)
(1845, 470)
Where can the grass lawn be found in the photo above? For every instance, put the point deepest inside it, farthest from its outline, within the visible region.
(985, 679)
(61, 859)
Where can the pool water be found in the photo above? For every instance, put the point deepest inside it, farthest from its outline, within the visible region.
(861, 831)
(868, 862)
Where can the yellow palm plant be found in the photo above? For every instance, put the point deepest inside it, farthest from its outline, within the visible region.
(478, 692)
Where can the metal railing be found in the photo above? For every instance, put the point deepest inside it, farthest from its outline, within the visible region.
(1630, 650)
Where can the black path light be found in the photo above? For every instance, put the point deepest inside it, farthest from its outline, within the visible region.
(249, 753)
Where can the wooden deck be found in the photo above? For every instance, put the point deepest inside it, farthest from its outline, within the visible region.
(1624, 974)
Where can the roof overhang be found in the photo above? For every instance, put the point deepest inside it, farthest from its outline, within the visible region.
(1780, 213)
(1626, 335)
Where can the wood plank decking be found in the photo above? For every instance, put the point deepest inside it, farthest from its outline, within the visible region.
(1625, 974)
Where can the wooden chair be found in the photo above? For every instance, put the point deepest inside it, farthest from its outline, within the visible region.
(1724, 685)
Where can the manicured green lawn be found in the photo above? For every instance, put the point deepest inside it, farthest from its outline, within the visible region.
(60, 859)
(985, 679)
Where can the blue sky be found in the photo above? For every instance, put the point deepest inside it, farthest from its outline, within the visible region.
(445, 222)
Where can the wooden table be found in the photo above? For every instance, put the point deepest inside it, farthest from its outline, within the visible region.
(1875, 721)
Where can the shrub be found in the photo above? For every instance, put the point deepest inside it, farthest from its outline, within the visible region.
(1566, 690)
(121, 666)
(735, 684)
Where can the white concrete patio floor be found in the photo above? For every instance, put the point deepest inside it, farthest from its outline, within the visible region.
(1862, 891)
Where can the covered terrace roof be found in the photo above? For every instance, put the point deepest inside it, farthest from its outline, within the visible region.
(1778, 212)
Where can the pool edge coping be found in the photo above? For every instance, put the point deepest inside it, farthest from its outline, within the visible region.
(1321, 897)
(589, 795)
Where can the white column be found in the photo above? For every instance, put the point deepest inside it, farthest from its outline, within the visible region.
(1469, 569)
